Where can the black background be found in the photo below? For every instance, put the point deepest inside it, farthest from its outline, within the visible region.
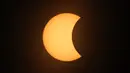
(100, 36)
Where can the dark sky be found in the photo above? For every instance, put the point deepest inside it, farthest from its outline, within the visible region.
(100, 36)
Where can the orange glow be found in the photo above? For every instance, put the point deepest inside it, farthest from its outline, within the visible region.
(57, 37)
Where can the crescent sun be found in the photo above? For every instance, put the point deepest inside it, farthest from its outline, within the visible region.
(57, 37)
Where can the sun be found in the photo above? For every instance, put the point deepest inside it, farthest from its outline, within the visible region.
(57, 37)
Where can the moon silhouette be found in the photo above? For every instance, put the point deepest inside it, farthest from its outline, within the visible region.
(57, 37)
